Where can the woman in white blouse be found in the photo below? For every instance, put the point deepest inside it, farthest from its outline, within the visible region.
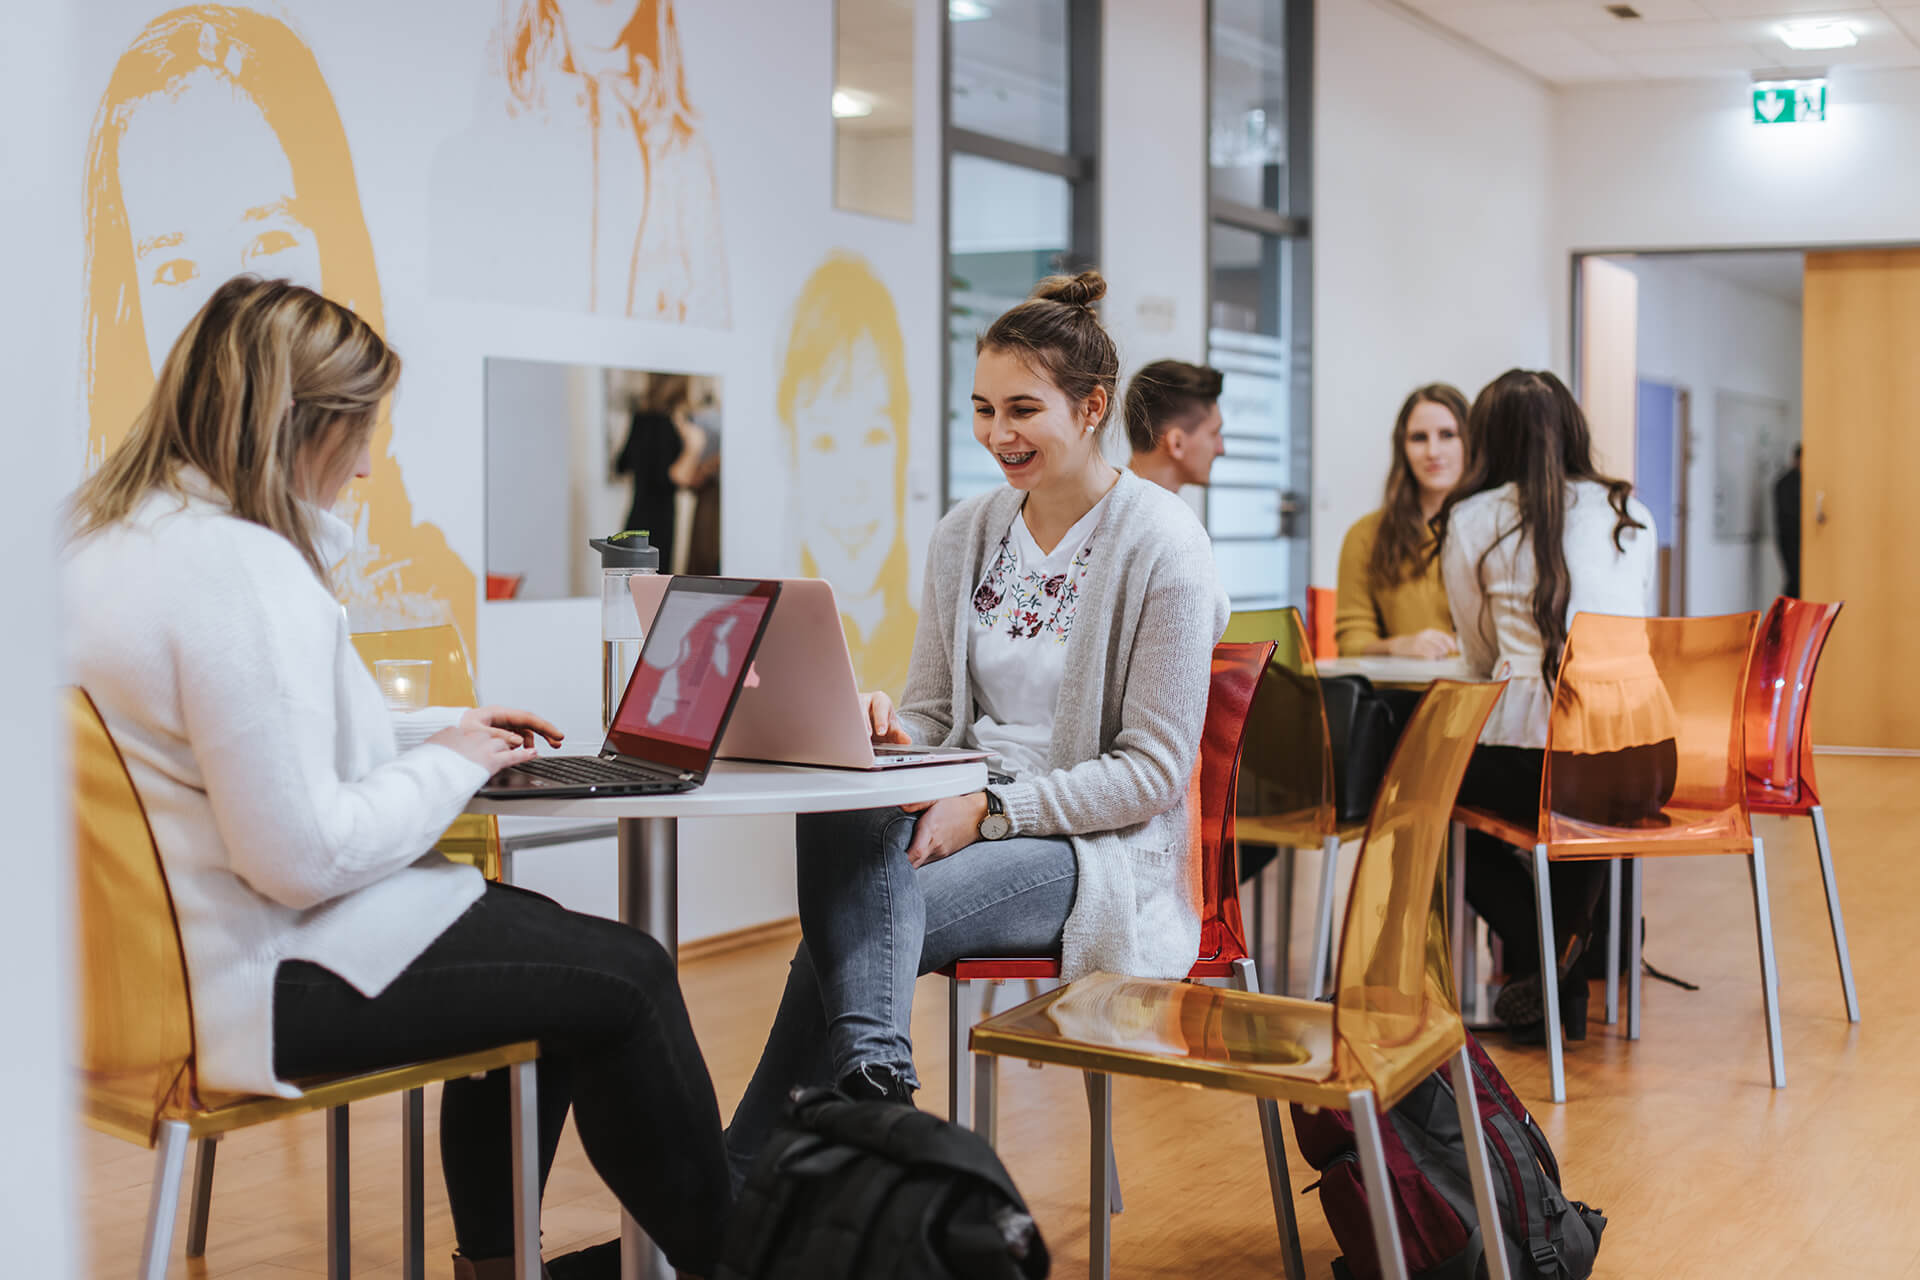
(1067, 627)
(296, 817)
(1534, 535)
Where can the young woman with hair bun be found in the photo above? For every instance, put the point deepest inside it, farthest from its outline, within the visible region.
(1067, 626)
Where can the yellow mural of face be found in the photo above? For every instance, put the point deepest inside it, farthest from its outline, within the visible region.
(843, 403)
(217, 149)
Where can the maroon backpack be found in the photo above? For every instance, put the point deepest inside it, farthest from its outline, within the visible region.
(1548, 1237)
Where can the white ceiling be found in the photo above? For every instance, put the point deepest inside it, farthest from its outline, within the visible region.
(1572, 41)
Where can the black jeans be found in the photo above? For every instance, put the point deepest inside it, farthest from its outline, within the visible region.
(1616, 788)
(604, 1002)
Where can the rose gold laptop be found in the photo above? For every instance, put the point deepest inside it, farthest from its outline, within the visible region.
(801, 704)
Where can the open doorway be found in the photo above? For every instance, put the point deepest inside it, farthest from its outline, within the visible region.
(1718, 356)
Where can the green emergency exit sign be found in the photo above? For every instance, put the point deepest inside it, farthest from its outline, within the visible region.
(1790, 102)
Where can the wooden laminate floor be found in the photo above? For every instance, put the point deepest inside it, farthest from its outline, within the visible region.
(1702, 1169)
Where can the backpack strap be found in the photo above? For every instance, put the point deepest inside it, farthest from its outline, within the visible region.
(834, 1246)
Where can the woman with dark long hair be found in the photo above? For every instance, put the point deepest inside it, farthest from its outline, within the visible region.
(1390, 597)
(1533, 535)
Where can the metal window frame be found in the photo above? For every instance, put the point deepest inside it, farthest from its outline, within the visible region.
(1289, 220)
(1079, 165)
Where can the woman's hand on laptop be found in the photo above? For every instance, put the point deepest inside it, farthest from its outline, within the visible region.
(492, 749)
(945, 826)
(520, 725)
(883, 722)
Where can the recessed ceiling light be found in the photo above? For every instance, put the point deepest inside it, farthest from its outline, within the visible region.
(850, 104)
(1818, 35)
(967, 11)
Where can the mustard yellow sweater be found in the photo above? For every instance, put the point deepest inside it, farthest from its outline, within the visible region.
(1365, 613)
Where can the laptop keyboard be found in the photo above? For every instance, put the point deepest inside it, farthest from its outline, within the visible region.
(587, 770)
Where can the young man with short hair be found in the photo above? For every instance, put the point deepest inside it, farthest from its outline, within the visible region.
(1173, 422)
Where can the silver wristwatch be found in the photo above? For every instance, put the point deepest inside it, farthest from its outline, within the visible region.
(996, 825)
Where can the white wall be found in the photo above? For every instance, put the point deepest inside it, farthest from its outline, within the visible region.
(1431, 220)
(37, 202)
(1708, 334)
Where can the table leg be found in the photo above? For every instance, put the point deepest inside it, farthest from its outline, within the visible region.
(649, 901)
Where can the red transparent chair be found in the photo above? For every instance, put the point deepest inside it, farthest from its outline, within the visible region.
(1286, 791)
(1651, 678)
(1237, 668)
(1779, 734)
(137, 1074)
(1321, 605)
(1394, 1018)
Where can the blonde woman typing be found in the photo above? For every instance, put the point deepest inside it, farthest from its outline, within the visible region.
(296, 817)
(1390, 599)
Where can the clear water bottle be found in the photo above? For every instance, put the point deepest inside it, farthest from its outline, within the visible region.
(621, 556)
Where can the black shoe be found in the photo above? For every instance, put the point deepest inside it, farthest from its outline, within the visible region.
(595, 1262)
(873, 1083)
(1573, 1012)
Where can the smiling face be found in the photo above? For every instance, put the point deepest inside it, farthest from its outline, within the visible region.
(198, 214)
(1435, 452)
(1037, 435)
(846, 453)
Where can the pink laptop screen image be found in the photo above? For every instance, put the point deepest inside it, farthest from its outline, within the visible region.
(683, 687)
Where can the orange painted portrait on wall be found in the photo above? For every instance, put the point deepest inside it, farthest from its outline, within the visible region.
(216, 150)
(843, 405)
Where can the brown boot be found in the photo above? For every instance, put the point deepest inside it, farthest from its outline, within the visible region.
(485, 1269)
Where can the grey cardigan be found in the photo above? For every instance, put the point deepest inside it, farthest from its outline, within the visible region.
(1126, 730)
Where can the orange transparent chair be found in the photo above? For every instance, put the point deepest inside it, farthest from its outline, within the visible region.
(1322, 602)
(136, 1071)
(1643, 680)
(1779, 733)
(1286, 795)
(1394, 1018)
(1236, 669)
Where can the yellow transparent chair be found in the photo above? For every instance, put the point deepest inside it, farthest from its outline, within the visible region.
(1394, 1019)
(136, 1069)
(474, 837)
(1696, 669)
(1286, 778)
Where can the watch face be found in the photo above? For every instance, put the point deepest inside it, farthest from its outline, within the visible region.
(995, 826)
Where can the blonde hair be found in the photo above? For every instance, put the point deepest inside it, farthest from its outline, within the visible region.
(268, 383)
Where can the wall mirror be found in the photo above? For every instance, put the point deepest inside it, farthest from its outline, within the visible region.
(579, 451)
(873, 107)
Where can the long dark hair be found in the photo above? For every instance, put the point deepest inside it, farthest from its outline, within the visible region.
(1526, 429)
(1400, 547)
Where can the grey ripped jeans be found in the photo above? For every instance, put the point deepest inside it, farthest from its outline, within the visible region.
(871, 924)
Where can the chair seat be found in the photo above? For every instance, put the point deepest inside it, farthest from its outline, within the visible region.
(1002, 968)
(107, 1111)
(1270, 1046)
(1678, 832)
(1302, 829)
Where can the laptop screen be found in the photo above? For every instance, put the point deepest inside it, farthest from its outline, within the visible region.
(690, 671)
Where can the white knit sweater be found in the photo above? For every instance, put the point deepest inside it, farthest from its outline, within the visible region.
(1126, 728)
(290, 823)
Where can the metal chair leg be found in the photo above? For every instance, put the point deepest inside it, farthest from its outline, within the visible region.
(339, 1225)
(1246, 977)
(413, 1184)
(524, 1113)
(1613, 941)
(1479, 1165)
(1095, 1082)
(169, 1162)
(986, 1081)
(1099, 1184)
(1833, 912)
(1323, 918)
(1636, 888)
(1373, 1171)
(201, 1205)
(1549, 973)
(959, 1061)
(1769, 974)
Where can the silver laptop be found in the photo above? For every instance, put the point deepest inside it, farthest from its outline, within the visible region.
(676, 704)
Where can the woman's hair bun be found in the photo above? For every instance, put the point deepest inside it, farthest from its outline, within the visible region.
(1082, 290)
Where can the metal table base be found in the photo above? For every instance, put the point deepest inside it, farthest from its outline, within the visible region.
(649, 901)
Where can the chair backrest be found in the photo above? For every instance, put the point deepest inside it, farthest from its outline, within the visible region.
(504, 586)
(1237, 669)
(1394, 997)
(1322, 603)
(473, 838)
(1779, 723)
(136, 1032)
(1634, 684)
(1286, 762)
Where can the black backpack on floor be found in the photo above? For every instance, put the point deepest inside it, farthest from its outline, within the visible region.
(878, 1191)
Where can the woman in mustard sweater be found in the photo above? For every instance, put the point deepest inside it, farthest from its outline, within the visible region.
(1390, 597)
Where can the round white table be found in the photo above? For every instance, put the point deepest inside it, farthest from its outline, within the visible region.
(649, 839)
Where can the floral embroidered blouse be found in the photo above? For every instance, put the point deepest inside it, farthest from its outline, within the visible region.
(1023, 611)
